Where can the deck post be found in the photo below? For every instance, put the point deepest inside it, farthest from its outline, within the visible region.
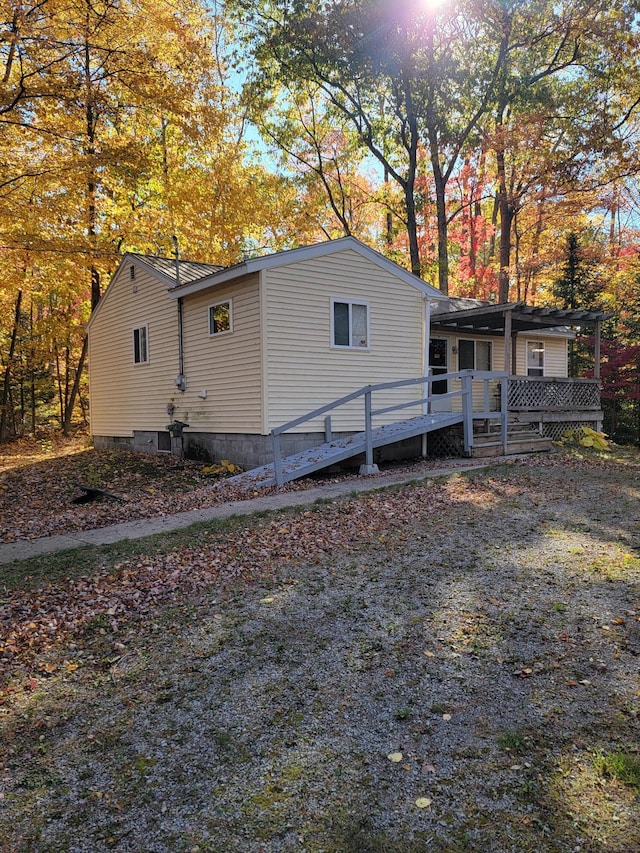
(467, 413)
(504, 414)
(327, 428)
(277, 459)
(507, 341)
(369, 467)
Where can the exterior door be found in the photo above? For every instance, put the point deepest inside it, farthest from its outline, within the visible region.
(438, 365)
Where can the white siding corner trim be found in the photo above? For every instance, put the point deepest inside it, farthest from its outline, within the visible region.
(264, 350)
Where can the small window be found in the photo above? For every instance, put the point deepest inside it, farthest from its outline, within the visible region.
(535, 358)
(350, 324)
(474, 355)
(220, 318)
(141, 345)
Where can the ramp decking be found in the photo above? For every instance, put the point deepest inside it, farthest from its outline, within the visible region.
(331, 452)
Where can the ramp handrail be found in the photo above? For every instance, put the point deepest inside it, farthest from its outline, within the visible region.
(466, 378)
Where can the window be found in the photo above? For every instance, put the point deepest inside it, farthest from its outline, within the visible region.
(220, 318)
(141, 345)
(535, 358)
(350, 324)
(474, 355)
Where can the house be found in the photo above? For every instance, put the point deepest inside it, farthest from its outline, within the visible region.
(235, 352)
(209, 360)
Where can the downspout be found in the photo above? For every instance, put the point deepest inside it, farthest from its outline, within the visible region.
(425, 367)
(427, 341)
(181, 382)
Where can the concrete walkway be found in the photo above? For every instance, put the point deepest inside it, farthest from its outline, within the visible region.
(142, 527)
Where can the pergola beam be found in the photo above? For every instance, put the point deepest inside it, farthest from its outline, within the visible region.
(510, 318)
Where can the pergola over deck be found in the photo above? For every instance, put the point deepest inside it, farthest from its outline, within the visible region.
(509, 318)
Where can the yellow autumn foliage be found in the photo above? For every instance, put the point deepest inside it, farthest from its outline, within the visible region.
(585, 437)
(224, 468)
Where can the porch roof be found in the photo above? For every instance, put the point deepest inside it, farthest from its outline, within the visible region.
(491, 318)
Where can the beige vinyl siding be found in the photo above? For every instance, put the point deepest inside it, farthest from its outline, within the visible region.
(306, 371)
(556, 362)
(226, 366)
(125, 396)
(556, 359)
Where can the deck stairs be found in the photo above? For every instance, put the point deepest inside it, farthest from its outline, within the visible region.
(335, 451)
(521, 438)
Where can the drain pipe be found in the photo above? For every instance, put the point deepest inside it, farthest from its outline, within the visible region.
(426, 367)
(181, 382)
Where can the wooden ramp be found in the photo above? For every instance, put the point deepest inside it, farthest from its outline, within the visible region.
(324, 455)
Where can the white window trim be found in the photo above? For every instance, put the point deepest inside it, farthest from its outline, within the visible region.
(350, 302)
(228, 302)
(144, 326)
(526, 356)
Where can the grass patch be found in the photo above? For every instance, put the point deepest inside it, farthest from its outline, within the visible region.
(515, 741)
(624, 767)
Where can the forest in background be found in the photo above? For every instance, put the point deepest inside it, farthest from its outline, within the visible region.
(491, 146)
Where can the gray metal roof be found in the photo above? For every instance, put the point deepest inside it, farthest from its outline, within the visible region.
(190, 271)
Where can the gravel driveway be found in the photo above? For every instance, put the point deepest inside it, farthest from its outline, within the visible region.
(449, 666)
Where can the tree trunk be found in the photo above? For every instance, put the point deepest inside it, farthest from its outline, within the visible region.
(73, 394)
(506, 212)
(32, 372)
(6, 389)
(443, 229)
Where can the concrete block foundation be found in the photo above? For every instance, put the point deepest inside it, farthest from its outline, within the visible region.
(249, 451)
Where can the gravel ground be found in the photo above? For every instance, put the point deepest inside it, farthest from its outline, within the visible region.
(448, 666)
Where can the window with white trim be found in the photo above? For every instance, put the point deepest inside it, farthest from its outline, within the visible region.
(474, 355)
(535, 358)
(350, 324)
(141, 345)
(220, 318)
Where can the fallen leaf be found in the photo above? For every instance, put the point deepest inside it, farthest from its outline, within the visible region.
(423, 802)
(395, 757)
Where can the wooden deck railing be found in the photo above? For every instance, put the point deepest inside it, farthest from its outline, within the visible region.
(464, 392)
